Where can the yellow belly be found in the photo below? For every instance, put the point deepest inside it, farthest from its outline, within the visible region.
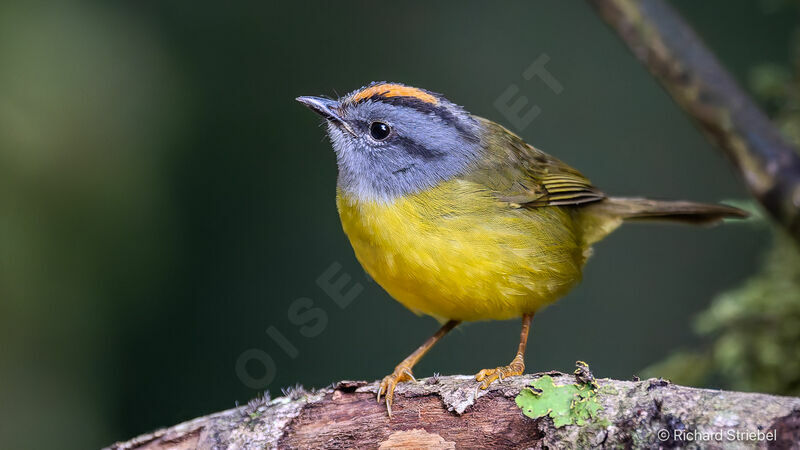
(454, 252)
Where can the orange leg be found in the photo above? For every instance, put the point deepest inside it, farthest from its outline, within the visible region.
(517, 365)
(403, 370)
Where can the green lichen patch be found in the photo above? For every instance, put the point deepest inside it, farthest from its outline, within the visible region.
(569, 404)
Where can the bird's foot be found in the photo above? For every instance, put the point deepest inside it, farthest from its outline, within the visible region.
(489, 376)
(401, 373)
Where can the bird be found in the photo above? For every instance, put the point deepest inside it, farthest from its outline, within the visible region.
(458, 218)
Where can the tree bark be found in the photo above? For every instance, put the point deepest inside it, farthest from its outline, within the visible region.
(444, 413)
(676, 56)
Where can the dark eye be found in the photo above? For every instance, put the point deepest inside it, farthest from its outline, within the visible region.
(379, 130)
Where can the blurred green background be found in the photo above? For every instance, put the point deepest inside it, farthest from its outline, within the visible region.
(163, 199)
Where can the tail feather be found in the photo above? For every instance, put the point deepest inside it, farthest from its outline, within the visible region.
(676, 211)
(601, 218)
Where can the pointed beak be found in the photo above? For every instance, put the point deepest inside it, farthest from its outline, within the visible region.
(329, 109)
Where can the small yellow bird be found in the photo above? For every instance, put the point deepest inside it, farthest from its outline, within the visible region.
(458, 218)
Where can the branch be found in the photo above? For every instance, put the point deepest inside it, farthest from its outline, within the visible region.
(676, 56)
(443, 413)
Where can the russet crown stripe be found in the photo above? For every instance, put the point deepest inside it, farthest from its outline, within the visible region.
(394, 90)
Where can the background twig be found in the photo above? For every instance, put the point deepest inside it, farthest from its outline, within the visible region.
(676, 56)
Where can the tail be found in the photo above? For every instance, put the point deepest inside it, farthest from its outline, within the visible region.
(675, 211)
(601, 218)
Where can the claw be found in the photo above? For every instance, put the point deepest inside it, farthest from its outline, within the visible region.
(389, 383)
(390, 399)
(489, 376)
(380, 392)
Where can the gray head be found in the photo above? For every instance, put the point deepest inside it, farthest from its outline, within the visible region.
(391, 140)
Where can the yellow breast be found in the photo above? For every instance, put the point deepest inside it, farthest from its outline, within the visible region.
(455, 252)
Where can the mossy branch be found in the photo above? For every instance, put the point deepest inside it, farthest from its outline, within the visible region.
(443, 412)
(677, 57)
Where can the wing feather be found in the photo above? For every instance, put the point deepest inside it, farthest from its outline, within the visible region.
(523, 175)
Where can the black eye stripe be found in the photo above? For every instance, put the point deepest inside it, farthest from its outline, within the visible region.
(411, 146)
(362, 126)
(414, 148)
(426, 108)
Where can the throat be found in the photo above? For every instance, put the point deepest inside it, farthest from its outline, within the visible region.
(385, 182)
